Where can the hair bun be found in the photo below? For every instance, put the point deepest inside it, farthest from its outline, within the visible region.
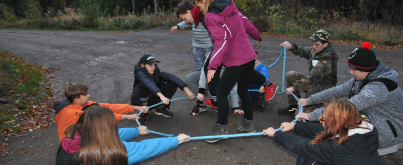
(366, 45)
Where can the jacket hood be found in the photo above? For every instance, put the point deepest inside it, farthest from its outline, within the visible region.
(222, 7)
(357, 135)
(58, 106)
(383, 71)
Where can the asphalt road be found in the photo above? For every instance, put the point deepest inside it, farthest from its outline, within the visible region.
(105, 62)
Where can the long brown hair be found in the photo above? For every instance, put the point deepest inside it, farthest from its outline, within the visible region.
(99, 143)
(339, 115)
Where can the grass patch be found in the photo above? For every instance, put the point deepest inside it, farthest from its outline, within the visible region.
(25, 99)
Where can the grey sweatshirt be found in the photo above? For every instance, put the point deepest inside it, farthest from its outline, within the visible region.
(375, 101)
(201, 36)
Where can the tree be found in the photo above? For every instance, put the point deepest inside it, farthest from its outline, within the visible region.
(157, 10)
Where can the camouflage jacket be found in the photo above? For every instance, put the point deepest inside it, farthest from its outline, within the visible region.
(324, 74)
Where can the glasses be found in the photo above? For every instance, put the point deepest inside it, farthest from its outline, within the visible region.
(321, 120)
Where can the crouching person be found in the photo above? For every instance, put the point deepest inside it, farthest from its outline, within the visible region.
(151, 86)
(344, 137)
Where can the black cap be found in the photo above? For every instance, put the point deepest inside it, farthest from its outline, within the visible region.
(363, 59)
(147, 59)
(320, 35)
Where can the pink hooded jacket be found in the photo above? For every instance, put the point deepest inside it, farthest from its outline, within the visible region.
(228, 28)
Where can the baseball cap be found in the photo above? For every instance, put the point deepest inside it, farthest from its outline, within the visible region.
(320, 35)
(147, 59)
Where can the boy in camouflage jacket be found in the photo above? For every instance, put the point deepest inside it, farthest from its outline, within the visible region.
(322, 62)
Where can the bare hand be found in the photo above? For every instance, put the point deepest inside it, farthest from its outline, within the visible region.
(131, 117)
(303, 101)
(142, 130)
(184, 137)
(239, 111)
(287, 45)
(200, 96)
(261, 90)
(269, 131)
(164, 100)
(174, 29)
(289, 90)
(287, 126)
(302, 116)
(140, 108)
(189, 93)
(210, 75)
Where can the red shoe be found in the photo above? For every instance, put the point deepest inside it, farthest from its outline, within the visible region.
(208, 102)
(270, 91)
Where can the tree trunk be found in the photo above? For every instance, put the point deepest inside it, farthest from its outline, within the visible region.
(156, 7)
(134, 7)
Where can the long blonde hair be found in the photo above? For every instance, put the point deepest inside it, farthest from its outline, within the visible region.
(339, 115)
(208, 3)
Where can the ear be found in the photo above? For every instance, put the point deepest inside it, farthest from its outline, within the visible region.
(142, 65)
(325, 44)
(75, 100)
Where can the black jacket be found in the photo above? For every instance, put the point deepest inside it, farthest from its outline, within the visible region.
(142, 76)
(359, 149)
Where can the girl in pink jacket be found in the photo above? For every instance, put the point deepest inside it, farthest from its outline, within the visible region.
(228, 28)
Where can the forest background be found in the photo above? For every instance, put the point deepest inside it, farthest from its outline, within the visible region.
(350, 21)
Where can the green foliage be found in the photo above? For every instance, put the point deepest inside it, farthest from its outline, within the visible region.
(91, 11)
(34, 10)
(8, 13)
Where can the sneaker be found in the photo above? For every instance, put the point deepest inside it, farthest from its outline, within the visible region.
(246, 127)
(288, 110)
(262, 102)
(164, 112)
(208, 102)
(270, 91)
(198, 108)
(218, 130)
(143, 118)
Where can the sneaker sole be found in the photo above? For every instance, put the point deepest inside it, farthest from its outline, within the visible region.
(273, 94)
(215, 140)
(243, 130)
(200, 111)
(161, 114)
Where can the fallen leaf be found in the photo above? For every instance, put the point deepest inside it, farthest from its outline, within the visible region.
(194, 148)
(183, 151)
(289, 159)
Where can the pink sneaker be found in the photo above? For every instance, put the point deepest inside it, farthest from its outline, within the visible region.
(208, 102)
(270, 91)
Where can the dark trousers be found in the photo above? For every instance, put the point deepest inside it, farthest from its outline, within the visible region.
(241, 74)
(256, 81)
(168, 90)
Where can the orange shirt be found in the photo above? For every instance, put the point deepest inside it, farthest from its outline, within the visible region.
(70, 115)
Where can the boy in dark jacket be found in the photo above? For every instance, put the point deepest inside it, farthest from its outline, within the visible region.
(152, 86)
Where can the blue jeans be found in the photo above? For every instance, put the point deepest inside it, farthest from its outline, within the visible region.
(200, 55)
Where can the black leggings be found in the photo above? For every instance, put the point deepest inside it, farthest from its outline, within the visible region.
(241, 74)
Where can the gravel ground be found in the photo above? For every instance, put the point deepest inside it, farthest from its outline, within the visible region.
(105, 61)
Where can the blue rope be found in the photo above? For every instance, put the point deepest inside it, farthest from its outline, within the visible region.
(283, 51)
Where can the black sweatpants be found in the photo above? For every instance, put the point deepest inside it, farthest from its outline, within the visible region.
(241, 74)
(168, 90)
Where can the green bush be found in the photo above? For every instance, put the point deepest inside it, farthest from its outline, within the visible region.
(90, 10)
(8, 13)
(34, 10)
